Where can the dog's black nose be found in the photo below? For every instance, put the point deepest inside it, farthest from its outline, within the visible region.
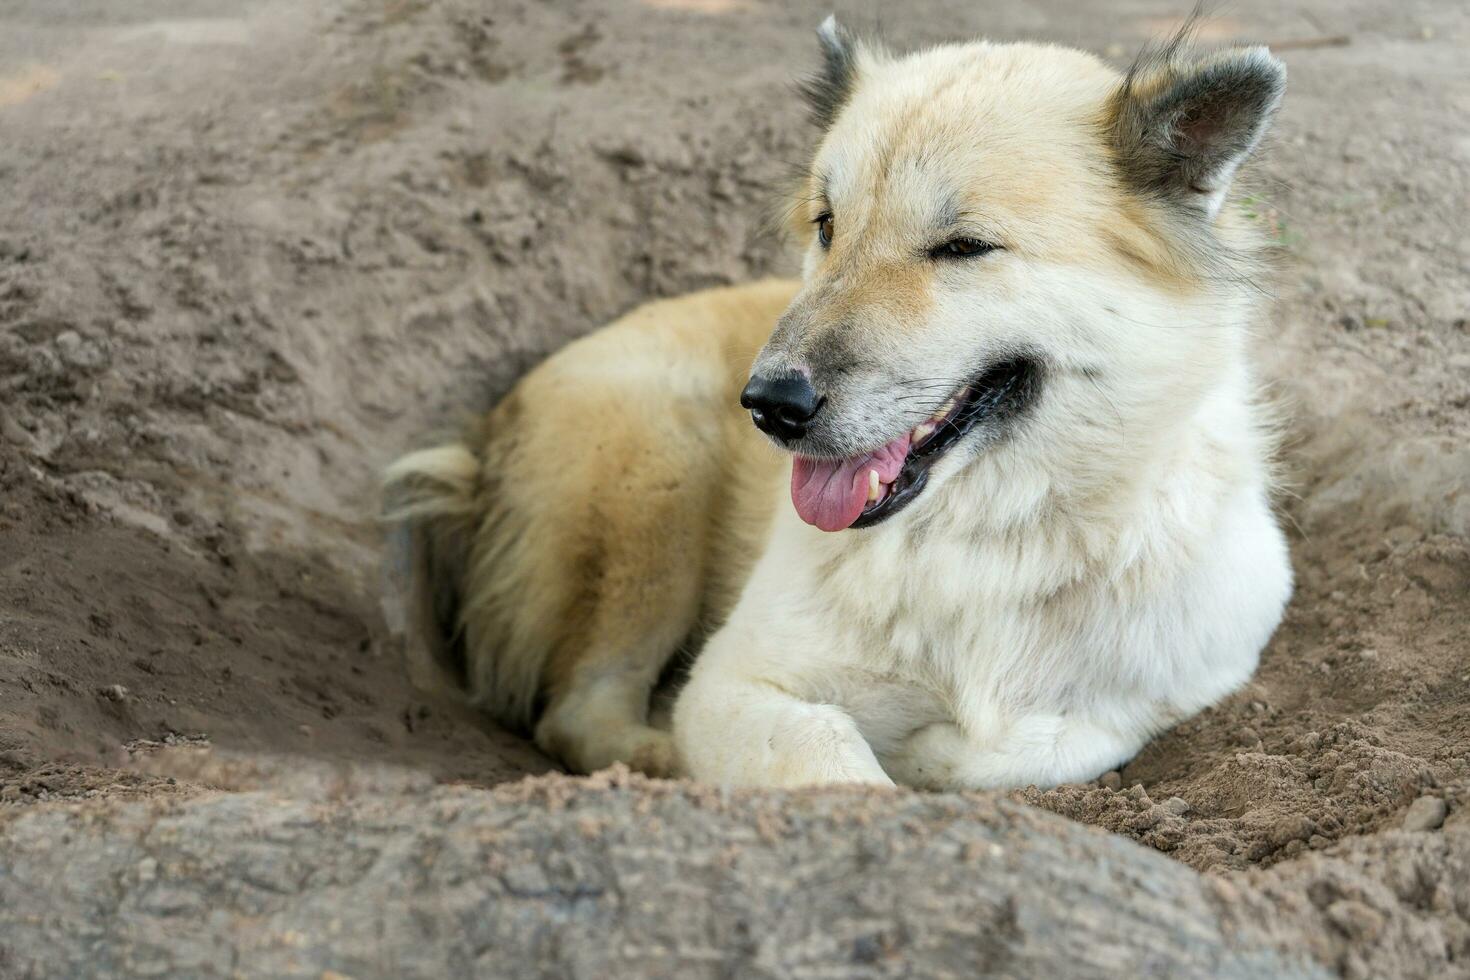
(781, 405)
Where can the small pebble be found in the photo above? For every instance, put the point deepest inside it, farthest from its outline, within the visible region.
(1425, 813)
(1147, 819)
(1112, 780)
(115, 692)
(1291, 828)
(1176, 806)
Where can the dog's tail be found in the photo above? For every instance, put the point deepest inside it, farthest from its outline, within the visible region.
(430, 504)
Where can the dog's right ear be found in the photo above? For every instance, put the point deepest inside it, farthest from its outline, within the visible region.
(828, 90)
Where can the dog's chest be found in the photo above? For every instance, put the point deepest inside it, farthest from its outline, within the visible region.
(923, 603)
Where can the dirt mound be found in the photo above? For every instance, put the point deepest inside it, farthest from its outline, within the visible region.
(250, 252)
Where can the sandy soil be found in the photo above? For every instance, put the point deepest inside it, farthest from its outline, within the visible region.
(250, 251)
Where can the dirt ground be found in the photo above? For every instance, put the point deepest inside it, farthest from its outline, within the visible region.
(250, 251)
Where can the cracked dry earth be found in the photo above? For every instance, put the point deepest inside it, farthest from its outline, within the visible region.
(250, 251)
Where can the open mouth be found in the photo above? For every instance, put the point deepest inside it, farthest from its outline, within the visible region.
(860, 491)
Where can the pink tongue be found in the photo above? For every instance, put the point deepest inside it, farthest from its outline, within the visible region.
(831, 493)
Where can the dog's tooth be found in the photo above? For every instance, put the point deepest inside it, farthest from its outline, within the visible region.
(874, 487)
(943, 410)
(921, 432)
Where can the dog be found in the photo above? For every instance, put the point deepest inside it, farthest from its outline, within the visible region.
(1004, 513)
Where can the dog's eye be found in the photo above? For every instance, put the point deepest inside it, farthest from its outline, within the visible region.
(824, 230)
(961, 248)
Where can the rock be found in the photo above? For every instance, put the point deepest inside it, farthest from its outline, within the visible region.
(277, 886)
(1356, 920)
(1112, 780)
(12, 430)
(1291, 828)
(114, 692)
(1425, 813)
(1146, 820)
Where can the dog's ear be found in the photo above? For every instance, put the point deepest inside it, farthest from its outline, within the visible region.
(827, 90)
(1181, 128)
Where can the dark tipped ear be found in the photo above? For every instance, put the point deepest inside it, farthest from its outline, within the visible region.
(1180, 129)
(828, 90)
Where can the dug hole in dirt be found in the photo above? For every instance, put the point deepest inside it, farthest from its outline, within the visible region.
(249, 252)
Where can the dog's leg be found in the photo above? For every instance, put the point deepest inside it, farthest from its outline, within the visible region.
(1038, 749)
(598, 681)
(616, 498)
(598, 714)
(738, 731)
(599, 720)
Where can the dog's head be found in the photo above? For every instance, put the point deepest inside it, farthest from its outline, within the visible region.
(1006, 238)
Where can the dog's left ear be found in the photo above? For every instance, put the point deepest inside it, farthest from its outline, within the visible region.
(843, 56)
(1180, 129)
